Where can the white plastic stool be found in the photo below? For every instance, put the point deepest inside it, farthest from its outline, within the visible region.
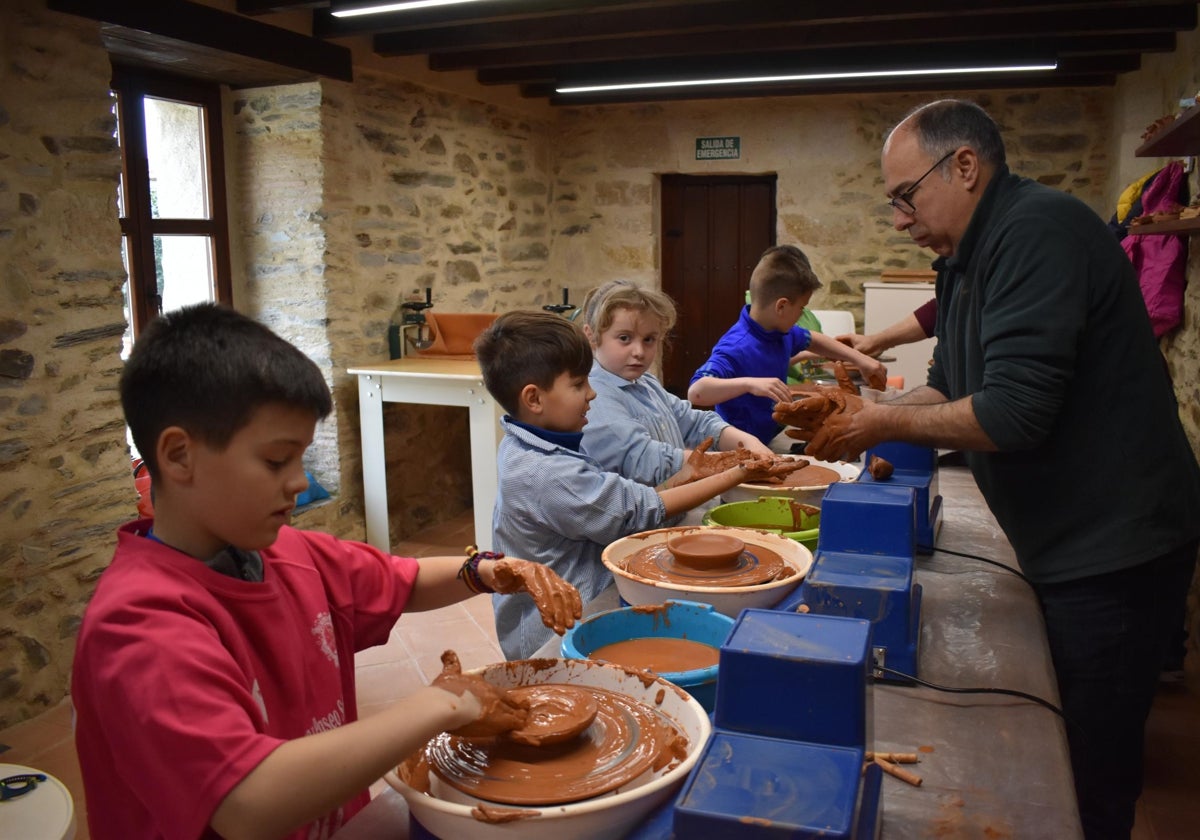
(45, 813)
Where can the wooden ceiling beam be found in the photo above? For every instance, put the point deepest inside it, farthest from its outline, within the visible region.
(214, 29)
(802, 61)
(719, 18)
(791, 38)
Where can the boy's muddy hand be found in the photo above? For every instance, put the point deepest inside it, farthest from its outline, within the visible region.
(772, 470)
(557, 601)
(701, 463)
(500, 713)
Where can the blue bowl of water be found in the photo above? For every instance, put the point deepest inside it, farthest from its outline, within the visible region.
(688, 620)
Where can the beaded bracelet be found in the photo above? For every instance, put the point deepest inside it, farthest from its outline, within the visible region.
(468, 573)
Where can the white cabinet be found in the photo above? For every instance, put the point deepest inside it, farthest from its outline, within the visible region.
(887, 303)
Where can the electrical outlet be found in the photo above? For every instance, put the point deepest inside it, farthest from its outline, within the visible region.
(878, 660)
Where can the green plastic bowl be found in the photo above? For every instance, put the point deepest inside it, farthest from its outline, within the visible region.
(776, 514)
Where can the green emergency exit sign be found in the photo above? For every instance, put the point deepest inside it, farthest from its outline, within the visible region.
(718, 148)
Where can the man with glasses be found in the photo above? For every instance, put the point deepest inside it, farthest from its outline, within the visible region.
(1047, 374)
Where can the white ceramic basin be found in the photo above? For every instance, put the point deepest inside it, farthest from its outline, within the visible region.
(727, 600)
(611, 815)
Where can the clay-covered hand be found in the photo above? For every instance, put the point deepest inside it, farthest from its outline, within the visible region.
(500, 711)
(557, 601)
(810, 412)
(843, 436)
(843, 378)
(875, 374)
(701, 463)
(772, 470)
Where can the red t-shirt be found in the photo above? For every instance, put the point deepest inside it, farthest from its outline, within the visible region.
(185, 679)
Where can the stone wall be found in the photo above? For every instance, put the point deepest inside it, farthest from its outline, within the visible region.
(65, 480)
(825, 151)
(351, 199)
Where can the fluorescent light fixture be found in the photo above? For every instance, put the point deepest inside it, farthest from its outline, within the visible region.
(405, 6)
(808, 77)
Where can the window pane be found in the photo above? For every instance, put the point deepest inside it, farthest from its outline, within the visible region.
(176, 155)
(185, 270)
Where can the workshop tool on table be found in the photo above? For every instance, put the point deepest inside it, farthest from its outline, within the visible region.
(797, 676)
(863, 568)
(792, 725)
(913, 466)
(562, 308)
(413, 317)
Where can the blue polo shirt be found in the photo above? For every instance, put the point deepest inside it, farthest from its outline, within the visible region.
(749, 349)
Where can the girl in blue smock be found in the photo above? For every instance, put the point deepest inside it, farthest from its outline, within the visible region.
(635, 426)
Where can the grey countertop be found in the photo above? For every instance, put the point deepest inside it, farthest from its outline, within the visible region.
(992, 765)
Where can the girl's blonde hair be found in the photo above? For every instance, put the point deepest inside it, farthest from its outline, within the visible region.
(601, 304)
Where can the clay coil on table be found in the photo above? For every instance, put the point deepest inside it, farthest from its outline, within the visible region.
(626, 739)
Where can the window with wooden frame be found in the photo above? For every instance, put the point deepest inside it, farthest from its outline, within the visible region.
(174, 226)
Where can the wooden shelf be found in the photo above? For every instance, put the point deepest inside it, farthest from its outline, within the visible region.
(1178, 227)
(1181, 137)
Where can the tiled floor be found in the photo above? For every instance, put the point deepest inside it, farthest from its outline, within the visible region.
(1169, 808)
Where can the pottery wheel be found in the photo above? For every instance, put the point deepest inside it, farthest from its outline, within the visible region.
(754, 566)
(811, 476)
(626, 739)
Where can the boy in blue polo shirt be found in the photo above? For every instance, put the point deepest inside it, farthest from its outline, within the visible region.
(746, 374)
(557, 505)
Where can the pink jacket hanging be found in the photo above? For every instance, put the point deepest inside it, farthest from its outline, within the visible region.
(1161, 260)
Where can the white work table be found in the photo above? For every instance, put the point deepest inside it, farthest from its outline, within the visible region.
(425, 381)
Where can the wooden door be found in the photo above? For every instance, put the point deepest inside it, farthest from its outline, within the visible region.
(714, 229)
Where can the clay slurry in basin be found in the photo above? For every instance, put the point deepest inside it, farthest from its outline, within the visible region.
(755, 565)
(660, 654)
(557, 713)
(810, 476)
(626, 740)
(703, 550)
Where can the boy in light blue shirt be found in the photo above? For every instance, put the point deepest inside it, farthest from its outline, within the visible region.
(556, 505)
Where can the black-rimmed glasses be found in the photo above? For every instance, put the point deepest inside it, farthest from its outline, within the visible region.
(903, 201)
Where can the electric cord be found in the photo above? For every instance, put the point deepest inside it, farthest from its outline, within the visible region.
(997, 563)
(1012, 692)
(1081, 736)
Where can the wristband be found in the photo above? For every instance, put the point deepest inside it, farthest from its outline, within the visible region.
(468, 573)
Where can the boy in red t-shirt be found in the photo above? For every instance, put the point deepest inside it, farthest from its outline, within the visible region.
(214, 672)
